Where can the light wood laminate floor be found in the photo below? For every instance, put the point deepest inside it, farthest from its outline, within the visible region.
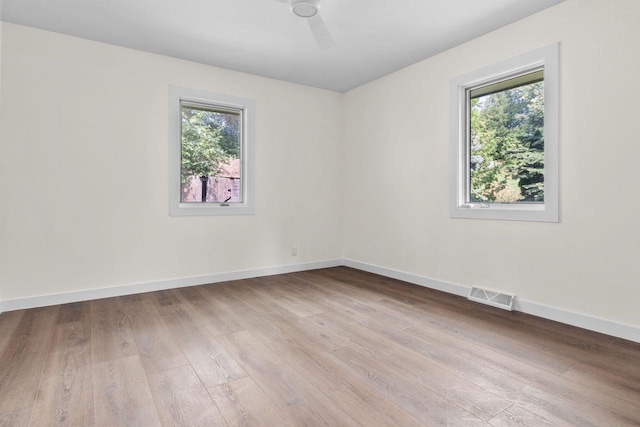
(333, 347)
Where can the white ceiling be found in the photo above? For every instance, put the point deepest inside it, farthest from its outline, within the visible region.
(373, 37)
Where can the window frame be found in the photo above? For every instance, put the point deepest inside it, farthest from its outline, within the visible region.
(178, 95)
(459, 167)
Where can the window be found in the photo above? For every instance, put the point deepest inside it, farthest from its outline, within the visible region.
(504, 140)
(211, 153)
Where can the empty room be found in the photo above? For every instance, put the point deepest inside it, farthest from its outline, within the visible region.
(319, 212)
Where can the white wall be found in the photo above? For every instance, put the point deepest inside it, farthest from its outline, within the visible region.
(84, 170)
(2, 195)
(396, 155)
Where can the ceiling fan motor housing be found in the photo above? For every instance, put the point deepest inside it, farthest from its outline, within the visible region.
(304, 8)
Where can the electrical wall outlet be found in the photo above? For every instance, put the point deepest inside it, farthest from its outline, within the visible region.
(294, 250)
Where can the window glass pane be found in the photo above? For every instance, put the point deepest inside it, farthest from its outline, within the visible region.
(211, 153)
(506, 142)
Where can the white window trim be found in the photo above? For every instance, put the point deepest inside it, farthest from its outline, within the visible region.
(458, 146)
(176, 208)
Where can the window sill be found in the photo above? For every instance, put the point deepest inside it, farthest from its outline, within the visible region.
(497, 211)
(210, 209)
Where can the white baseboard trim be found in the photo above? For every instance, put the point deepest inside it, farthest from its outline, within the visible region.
(604, 326)
(580, 320)
(138, 288)
(451, 288)
(609, 327)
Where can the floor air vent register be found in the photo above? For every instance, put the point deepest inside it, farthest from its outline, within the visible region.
(495, 299)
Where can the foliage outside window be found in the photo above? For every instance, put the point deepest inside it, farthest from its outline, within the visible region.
(506, 153)
(504, 140)
(211, 153)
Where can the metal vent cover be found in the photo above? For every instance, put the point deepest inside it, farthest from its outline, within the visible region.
(495, 299)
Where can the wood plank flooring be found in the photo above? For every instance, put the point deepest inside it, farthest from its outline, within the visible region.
(331, 347)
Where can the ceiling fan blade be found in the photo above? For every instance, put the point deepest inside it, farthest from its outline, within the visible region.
(321, 32)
